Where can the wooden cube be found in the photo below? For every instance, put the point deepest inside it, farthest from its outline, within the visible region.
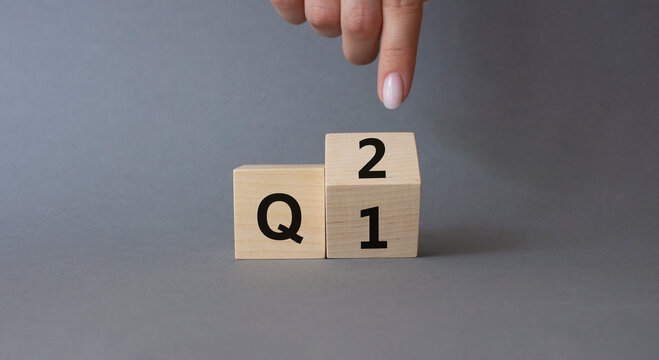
(279, 211)
(372, 195)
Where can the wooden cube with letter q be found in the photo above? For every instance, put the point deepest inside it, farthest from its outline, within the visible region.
(279, 211)
(372, 195)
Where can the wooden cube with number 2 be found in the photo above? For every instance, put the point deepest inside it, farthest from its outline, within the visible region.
(372, 195)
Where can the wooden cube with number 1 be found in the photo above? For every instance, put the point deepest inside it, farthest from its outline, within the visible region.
(372, 195)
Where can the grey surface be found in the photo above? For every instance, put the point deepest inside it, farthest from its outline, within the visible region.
(120, 123)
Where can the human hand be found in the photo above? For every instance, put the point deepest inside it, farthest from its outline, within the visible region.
(390, 27)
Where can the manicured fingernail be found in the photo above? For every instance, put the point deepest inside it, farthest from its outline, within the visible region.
(392, 91)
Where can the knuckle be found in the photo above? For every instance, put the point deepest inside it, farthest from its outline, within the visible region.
(362, 22)
(323, 17)
(403, 5)
(394, 51)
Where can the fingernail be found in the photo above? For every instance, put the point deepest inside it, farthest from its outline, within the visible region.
(392, 91)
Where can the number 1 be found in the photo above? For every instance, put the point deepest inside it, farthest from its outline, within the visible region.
(373, 231)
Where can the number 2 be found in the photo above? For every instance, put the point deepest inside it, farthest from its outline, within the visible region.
(366, 172)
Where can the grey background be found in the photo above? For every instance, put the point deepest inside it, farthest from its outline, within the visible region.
(120, 123)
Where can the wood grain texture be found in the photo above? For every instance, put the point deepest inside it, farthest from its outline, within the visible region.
(397, 196)
(305, 183)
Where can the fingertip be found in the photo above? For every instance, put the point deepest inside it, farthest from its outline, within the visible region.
(360, 59)
(290, 10)
(393, 87)
(299, 21)
(324, 17)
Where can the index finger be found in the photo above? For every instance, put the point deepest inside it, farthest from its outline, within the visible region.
(401, 24)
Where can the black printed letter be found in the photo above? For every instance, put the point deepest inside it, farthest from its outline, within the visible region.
(286, 233)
